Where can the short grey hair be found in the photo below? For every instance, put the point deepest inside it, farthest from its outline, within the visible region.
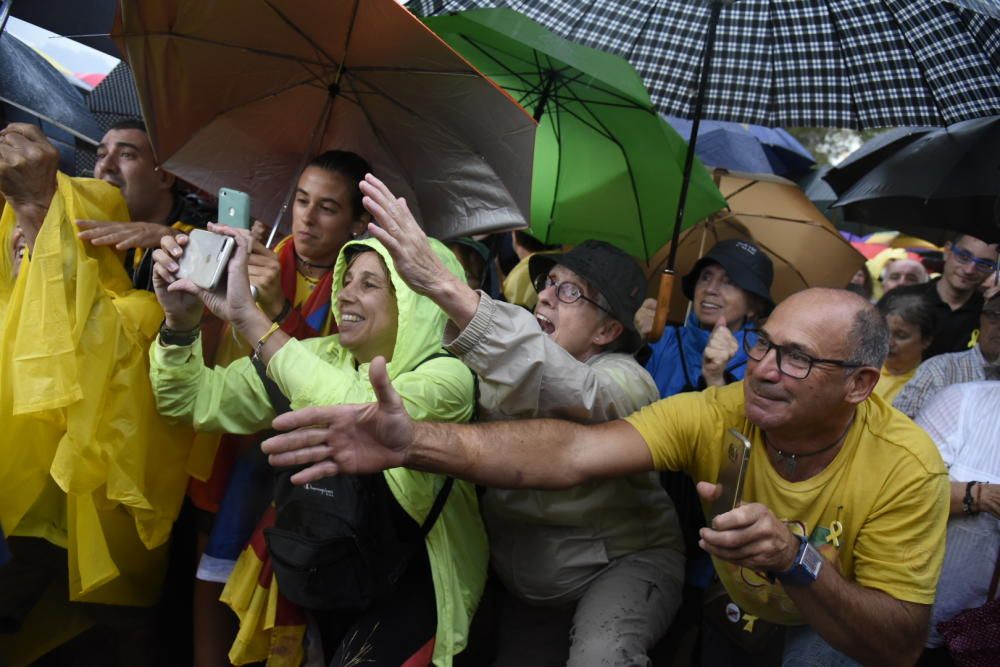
(870, 335)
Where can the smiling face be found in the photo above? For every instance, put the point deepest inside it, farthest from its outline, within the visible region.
(715, 296)
(580, 328)
(966, 277)
(323, 215)
(906, 344)
(369, 315)
(819, 328)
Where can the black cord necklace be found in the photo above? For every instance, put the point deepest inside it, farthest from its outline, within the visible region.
(312, 265)
(792, 460)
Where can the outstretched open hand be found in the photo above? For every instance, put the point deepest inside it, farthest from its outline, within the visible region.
(348, 439)
(399, 232)
(123, 235)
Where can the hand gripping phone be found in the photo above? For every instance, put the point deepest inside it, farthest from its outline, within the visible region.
(732, 472)
(234, 208)
(205, 258)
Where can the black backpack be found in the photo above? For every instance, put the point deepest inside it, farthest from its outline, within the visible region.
(334, 544)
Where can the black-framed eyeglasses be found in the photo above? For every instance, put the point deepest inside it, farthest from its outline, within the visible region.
(791, 361)
(964, 257)
(566, 292)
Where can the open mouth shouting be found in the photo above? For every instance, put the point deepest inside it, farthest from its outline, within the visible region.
(545, 323)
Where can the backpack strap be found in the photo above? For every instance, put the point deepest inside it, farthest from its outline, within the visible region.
(435, 511)
(279, 402)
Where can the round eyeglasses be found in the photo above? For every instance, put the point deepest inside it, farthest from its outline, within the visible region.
(791, 361)
(566, 292)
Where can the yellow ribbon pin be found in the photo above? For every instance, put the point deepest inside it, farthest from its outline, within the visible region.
(836, 530)
(750, 620)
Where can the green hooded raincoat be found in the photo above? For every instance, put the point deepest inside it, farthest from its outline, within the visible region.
(319, 371)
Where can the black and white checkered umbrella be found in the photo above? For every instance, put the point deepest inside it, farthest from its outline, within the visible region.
(832, 63)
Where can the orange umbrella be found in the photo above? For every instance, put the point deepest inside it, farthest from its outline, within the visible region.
(239, 93)
(774, 213)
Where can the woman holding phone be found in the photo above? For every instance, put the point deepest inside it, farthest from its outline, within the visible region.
(428, 617)
(292, 284)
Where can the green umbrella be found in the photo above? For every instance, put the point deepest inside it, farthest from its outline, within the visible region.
(606, 165)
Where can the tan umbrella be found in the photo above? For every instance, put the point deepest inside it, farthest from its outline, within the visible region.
(807, 250)
(238, 93)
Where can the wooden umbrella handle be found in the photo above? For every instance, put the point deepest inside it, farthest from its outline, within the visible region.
(662, 305)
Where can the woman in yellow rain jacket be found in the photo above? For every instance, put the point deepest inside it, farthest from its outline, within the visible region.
(378, 315)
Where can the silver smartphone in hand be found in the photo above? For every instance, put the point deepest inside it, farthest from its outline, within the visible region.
(732, 473)
(205, 258)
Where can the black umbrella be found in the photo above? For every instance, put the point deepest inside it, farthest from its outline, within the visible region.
(871, 153)
(945, 179)
(86, 21)
(28, 82)
(115, 98)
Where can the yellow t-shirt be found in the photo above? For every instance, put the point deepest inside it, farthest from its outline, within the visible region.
(889, 385)
(877, 513)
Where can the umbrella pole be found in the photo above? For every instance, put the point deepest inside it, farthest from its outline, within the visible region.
(309, 154)
(667, 277)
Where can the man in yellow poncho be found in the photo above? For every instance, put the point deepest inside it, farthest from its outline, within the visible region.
(86, 464)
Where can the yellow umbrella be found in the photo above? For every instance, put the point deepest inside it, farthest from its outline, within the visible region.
(774, 213)
(895, 239)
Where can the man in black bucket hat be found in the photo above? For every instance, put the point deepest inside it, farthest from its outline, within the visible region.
(603, 562)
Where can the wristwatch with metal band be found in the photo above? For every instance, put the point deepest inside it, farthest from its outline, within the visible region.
(805, 568)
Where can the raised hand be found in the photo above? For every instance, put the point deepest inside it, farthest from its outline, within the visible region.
(181, 310)
(644, 317)
(123, 235)
(399, 232)
(719, 351)
(265, 274)
(230, 301)
(344, 439)
(28, 165)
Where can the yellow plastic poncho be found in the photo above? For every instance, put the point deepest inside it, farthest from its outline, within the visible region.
(85, 460)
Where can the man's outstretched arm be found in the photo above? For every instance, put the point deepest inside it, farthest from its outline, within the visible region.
(367, 438)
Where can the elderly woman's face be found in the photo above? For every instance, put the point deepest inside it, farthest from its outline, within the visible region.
(715, 297)
(369, 316)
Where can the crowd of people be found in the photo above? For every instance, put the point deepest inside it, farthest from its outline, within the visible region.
(570, 522)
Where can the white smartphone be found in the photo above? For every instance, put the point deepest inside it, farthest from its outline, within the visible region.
(732, 472)
(205, 258)
(234, 208)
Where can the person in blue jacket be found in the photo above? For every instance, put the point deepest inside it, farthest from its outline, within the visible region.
(730, 289)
